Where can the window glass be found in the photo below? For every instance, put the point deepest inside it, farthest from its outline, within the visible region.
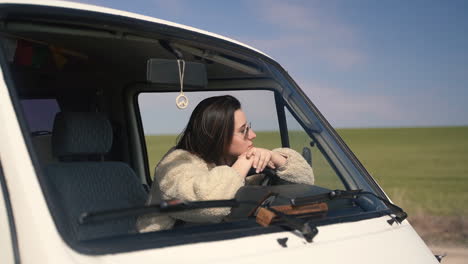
(324, 174)
(352, 175)
(163, 121)
(40, 113)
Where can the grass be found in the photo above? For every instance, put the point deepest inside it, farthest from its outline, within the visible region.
(421, 169)
(425, 171)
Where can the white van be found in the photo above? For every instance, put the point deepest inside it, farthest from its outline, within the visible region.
(80, 88)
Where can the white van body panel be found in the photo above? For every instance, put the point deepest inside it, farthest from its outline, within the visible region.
(366, 241)
(6, 250)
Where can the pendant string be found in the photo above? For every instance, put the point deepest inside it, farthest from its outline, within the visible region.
(181, 100)
(181, 64)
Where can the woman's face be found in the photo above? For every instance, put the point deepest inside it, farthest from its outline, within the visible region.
(242, 138)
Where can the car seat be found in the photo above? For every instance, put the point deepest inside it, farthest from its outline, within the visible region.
(83, 182)
(42, 142)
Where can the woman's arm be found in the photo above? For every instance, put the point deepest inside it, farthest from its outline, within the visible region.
(296, 169)
(187, 177)
(243, 165)
(289, 164)
(262, 158)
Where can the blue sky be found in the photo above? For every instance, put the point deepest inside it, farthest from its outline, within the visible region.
(363, 63)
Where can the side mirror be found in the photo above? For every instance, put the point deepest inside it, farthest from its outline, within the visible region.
(307, 154)
(162, 71)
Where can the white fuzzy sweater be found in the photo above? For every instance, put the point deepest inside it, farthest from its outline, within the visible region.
(185, 176)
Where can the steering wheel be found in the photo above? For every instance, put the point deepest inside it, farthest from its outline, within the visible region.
(271, 178)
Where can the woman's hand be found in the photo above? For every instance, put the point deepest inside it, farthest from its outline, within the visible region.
(263, 157)
(243, 164)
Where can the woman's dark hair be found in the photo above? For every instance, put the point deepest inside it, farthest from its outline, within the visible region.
(210, 129)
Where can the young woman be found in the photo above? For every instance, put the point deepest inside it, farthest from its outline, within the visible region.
(211, 161)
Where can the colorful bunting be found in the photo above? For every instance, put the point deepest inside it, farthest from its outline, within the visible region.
(38, 54)
(59, 59)
(23, 53)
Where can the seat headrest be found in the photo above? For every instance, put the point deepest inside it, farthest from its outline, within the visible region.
(81, 133)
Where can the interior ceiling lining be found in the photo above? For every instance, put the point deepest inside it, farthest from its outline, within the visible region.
(119, 53)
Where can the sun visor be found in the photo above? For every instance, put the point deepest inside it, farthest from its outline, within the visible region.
(162, 71)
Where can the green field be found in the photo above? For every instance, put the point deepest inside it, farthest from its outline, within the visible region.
(421, 169)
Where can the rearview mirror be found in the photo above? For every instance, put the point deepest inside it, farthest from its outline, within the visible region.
(162, 71)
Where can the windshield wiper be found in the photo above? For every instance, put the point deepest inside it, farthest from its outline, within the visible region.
(163, 208)
(399, 214)
(306, 228)
(264, 218)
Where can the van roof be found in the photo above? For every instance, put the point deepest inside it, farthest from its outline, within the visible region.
(88, 7)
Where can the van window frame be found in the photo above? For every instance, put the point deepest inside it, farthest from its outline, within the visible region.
(134, 114)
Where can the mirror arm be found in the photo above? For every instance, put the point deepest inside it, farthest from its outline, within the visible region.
(167, 46)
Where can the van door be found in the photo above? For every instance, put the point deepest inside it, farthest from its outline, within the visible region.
(9, 248)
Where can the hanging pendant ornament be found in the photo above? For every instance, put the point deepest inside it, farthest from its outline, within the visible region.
(181, 100)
